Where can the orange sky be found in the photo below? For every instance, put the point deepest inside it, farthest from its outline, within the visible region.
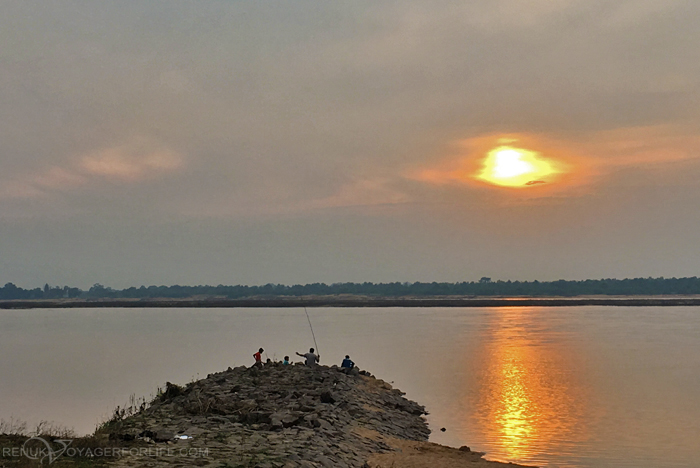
(572, 168)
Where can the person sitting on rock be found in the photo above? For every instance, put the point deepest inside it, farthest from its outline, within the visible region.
(311, 358)
(347, 363)
(258, 357)
(286, 361)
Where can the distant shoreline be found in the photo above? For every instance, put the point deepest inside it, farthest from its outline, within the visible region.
(354, 301)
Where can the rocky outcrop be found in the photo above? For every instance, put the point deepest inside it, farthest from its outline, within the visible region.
(273, 416)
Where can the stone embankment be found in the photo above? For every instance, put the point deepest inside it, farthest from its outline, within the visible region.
(284, 417)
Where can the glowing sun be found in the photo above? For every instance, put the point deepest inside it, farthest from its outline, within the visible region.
(515, 167)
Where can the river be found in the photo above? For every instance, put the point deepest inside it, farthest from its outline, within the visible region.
(549, 386)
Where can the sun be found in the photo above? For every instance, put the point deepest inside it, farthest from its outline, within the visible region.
(515, 167)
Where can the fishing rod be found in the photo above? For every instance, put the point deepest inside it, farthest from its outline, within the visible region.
(312, 331)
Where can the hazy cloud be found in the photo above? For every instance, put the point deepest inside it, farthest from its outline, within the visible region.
(131, 162)
(137, 161)
(280, 121)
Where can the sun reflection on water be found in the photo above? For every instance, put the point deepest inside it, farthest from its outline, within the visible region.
(531, 398)
(516, 408)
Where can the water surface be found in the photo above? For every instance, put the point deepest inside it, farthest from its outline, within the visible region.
(557, 387)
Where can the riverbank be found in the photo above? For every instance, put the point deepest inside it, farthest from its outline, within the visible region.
(284, 417)
(357, 301)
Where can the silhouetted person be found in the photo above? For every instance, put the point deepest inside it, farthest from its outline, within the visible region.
(347, 363)
(311, 358)
(286, 361)
(258, 357)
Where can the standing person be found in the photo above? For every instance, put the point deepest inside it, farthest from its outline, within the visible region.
(286, 361)
(311, 358)
(258, 357)
(347, 363)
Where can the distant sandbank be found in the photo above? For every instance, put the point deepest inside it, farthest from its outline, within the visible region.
(357, 301)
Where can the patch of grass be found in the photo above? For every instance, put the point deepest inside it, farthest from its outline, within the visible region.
(13, 427)
(134, 406)
(53, 430)
(171, 391)
(16, 427)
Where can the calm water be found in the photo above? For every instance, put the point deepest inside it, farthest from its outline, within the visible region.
(558, 387)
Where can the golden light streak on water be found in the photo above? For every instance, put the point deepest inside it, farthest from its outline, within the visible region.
(531, 395)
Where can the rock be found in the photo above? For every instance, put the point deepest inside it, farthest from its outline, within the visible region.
(325, 425)
(284, 420)
(171, 391)
(464, 448)
(325, 462)
(290, 420)
(255, 417)
(218, 419)
(278, 416)
(312, 420)
(276, 421)
(163, 435)
(123, 437)
(326, 397)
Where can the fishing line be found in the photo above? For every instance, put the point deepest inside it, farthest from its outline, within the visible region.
(312, 331)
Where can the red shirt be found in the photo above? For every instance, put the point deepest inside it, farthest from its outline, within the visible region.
(258, 357)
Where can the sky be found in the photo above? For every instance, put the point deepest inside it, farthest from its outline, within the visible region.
(226, 142)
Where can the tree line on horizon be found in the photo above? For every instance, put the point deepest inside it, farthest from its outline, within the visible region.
(483, 287)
